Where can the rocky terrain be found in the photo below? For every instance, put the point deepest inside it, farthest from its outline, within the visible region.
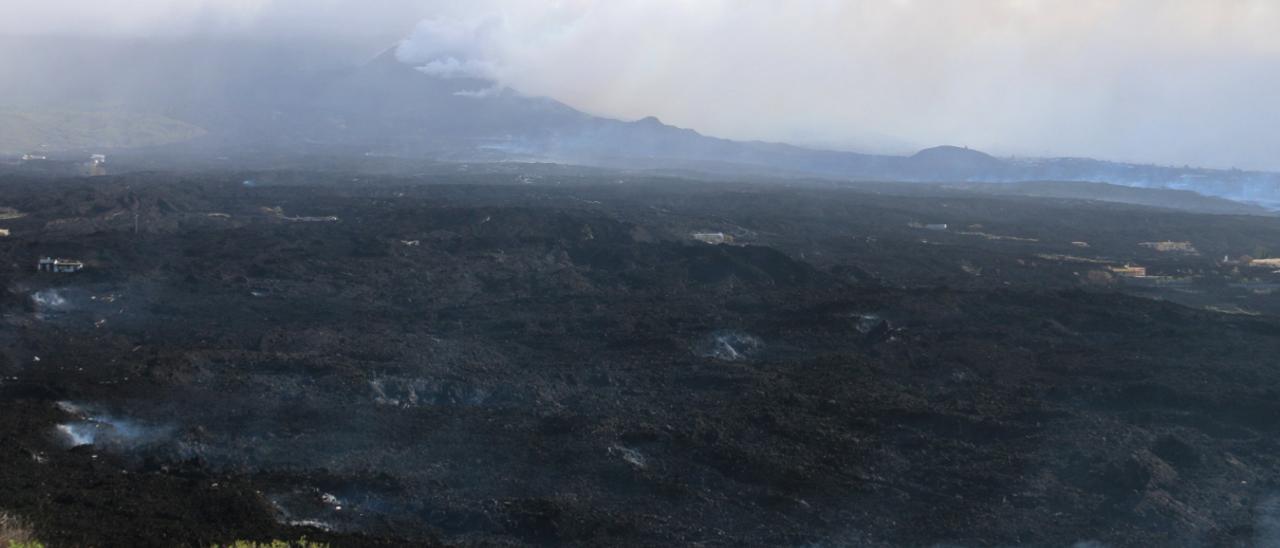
(491, 359)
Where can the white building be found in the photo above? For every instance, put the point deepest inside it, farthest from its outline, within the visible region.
(49, 264)
(712, 237)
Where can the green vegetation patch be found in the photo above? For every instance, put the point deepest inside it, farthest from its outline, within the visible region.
(15, 533)
(300, 543)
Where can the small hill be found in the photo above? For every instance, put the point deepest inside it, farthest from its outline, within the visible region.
(955, 160)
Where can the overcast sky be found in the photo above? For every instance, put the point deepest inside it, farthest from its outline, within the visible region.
(1164, 81)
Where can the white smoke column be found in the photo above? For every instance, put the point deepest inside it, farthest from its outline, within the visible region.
(1171, 81)
(1140, 79)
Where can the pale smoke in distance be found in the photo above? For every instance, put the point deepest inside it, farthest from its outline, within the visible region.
(1164, 81)
(1161, 81)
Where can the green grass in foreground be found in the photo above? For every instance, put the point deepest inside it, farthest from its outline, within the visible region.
(15, 533)
(300, 543)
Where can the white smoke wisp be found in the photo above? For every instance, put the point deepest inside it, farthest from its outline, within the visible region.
(49, 299)
(728, 345)
(631, 456)
(451, 67)
(106, 431)
(70, 408)
(77, 434)
(492, 91)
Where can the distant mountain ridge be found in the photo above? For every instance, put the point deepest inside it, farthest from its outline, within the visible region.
(233, 107)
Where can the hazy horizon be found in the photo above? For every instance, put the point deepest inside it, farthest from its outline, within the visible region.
(1171, 83)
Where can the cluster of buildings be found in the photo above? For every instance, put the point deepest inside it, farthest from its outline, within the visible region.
(1129, 271)
(95, 166)
(50, 264)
